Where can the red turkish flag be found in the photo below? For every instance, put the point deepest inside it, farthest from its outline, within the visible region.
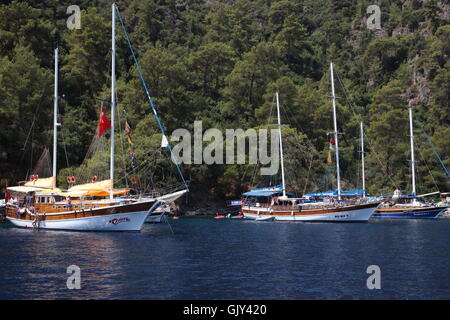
(103, 123)
(332, 142)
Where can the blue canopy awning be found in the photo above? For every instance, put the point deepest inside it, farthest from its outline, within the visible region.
(266, 192)
(274, 188)
(260, 193)
(352, 193)
(334, 193)
(322, 194)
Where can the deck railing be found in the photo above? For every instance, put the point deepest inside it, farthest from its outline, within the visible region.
(305, 206)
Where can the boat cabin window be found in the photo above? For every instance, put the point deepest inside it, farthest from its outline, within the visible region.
(58, 198)
(42, 199)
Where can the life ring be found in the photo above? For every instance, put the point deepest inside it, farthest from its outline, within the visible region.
(71, 180)
(133, 180)
(94, 179)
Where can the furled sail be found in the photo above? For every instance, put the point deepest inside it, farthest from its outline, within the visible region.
(45, 183)
(94, 186)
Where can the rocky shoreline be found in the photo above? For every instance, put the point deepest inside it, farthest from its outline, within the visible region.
(205, 208)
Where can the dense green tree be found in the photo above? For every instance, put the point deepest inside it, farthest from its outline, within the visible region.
(221, 62)
(25, 104)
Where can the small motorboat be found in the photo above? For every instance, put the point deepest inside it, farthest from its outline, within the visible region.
(239, 216)
(265, 219)
(219, 216)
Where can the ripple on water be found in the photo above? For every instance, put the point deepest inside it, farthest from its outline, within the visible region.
(230, 259)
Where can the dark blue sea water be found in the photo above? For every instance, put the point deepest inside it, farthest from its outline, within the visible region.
(231, 259)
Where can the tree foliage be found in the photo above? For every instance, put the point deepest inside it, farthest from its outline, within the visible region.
(221, 62)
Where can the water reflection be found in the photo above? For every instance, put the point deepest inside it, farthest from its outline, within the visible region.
(223, 259)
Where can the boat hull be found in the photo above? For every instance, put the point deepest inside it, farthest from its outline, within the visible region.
(412, 213)
(155, 218)
(115, 218)
(171, 197)
(360, 213)
(267, 219)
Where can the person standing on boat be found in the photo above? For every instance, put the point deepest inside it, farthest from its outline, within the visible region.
(69, 203)
(29, 200)
(272, 202)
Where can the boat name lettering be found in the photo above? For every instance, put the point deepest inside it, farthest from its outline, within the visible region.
(119, 220)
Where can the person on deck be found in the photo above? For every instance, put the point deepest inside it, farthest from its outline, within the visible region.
(69, 203)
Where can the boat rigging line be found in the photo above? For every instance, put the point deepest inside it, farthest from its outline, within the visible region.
(148, 95)
(352, 105)
(433, 148)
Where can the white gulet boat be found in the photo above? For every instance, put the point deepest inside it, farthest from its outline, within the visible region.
(96, 206)
(274, 202)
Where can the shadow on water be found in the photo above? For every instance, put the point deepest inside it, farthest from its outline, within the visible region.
(231, 259)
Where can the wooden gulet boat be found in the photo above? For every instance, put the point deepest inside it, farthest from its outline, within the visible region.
(264, 204)
(274, 202)
(409, 207)
(45, 208)
(48, 209)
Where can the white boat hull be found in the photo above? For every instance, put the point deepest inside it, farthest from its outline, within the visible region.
(268, 219)
(359, 215)
(114, 222)
(155, 218)
(130, 221)
(171, 197)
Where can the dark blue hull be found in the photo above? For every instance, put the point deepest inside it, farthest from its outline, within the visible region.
(409, 214)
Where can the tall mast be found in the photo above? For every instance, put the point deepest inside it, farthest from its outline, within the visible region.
(113, 91)
(362, 161)
(338, 174)
(55, 118)
(281, 146)
(413, 164)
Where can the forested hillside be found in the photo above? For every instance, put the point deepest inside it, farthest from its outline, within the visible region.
(221, 62)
